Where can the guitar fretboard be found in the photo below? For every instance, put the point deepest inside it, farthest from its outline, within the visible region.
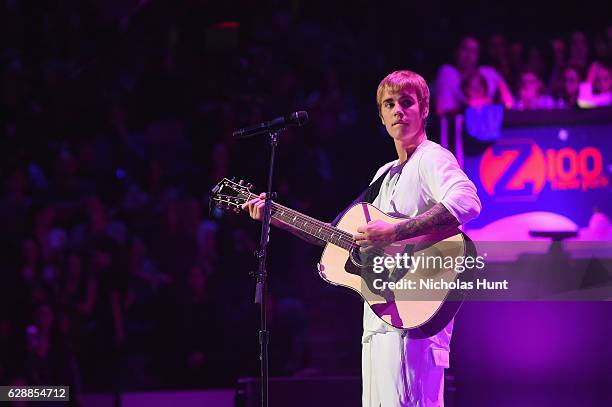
(311, 226)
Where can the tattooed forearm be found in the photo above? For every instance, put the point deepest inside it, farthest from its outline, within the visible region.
(435, 218)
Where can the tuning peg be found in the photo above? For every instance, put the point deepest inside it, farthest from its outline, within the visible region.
(241, 182)
(249, 185)
(233, 179)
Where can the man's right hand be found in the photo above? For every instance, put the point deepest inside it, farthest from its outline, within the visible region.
(255, 207)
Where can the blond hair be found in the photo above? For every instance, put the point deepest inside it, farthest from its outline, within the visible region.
(399, 81)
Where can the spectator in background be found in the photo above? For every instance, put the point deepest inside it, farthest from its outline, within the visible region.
(49, 360)
(140, 307)
(44, 231)
(600, 47)
(578, 51)
(31, 262)
(567, 91)
(103, 310)
(98, 225)
(498, 56)
(15, 203)
(517, 61)
(74, 286)
(475, 90)
(596, 91)
(609, 42)
(6, 341)
(196, 318)
(531, 93)
(535, 63)
(142, 268)
(555, 78)
(449, 97)
(483, 118)
(173, 241)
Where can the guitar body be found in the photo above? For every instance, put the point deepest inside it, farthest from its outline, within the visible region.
(423, 312)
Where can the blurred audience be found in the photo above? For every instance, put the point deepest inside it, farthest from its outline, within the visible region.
(542, 79)
(448, 93)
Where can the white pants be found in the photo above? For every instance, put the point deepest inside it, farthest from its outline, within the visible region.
(401, 372)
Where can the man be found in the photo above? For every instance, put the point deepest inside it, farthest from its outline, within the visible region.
(426, 184)
(596, 91)
(449, 97)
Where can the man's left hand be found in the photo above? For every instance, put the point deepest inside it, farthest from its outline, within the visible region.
(376, 233)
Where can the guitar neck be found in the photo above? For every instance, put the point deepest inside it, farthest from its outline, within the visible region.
(310, 226)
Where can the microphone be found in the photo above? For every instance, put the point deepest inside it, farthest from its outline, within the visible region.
(294, 119)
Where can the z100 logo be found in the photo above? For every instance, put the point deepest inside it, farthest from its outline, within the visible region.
(521, 168)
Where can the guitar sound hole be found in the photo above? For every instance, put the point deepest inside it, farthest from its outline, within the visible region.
(359, 258)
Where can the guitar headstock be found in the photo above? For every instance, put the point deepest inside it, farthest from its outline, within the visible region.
(229, 194)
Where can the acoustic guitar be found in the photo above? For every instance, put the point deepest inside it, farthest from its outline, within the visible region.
(411, 284)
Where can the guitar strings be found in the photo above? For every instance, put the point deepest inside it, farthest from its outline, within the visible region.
(307, 219)
(346, 237)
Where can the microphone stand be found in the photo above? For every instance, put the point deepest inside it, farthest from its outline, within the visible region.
(261, 286)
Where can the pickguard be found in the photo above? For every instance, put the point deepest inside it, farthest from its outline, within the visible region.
(361, 264)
